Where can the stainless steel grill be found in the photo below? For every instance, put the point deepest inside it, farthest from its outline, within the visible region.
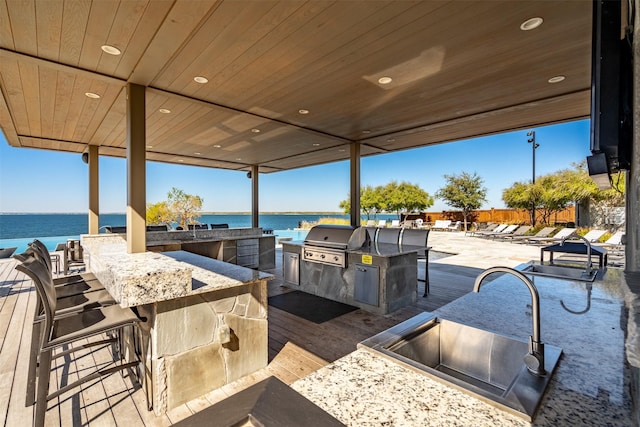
(327, 244)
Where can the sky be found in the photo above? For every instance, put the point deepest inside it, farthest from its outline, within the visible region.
(42, 181)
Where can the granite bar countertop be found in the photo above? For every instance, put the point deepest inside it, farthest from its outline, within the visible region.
(590, 385)
(148, 277)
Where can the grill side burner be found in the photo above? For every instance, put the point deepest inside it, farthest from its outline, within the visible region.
(327, 244)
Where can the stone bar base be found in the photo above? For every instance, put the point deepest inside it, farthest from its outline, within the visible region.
(202, 342)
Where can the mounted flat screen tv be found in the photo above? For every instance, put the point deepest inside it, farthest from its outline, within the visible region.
(611, 89)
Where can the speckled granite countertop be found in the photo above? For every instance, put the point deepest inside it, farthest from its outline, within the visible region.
(148, 277)
(590, 385)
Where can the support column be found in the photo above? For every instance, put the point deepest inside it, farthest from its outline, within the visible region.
(255, 210)
(354, 189)
(632, 249)
(94, 192)
(136, 169)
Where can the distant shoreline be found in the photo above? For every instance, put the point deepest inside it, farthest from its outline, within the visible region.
(203, 213)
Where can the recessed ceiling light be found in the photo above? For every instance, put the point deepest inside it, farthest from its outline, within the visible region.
(92, 95)
(556, 79)
(164, 110)
(366, 131)
(385, 80)
(201, 80)
(255, 130)
(149, 146)
(531, 24)
(303, 111)
(111, 50)
(391, 140)
(238, 158)
(197, 153)
(181, 161)
(217, 146)
(315, 144)
(342, 150)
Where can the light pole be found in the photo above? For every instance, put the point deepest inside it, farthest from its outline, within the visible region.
(532, 140)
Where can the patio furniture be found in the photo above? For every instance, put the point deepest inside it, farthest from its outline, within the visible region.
(156, 228)
(577, 247)
(455, 226)
(371, 223)
(7, 252)
(64, 331)
(72, 255)
(562, 234)
(395, 223)
(418, 223)
(504, 232)
(543, 232)
(520, 231)
(197, 226)
(214, 226)
(120, 229)
(413, 237)
(593, 235)
(497, 229)
(70, 299)
(613, 243)
(382, 223)
(441, 224)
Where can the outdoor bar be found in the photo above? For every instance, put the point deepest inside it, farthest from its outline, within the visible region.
(274, 86)
(222, 306)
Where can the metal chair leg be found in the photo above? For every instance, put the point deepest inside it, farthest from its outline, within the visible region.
(44, 371)
(30, 397)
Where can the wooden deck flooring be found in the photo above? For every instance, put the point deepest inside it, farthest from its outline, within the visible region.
(297, 347)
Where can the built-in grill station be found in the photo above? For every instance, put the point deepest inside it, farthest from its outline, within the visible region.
(340, 263)
(328, 244)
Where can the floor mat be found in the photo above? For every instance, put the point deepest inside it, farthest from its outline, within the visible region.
(311, 307)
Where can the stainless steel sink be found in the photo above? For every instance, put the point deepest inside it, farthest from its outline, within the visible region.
(560, 272)
(484, 364)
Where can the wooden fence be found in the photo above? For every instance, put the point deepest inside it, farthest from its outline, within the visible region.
(511, 216)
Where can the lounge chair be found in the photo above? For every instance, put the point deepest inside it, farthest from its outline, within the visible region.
(497, 229)
(614, 242)
(543, 232)
(455, 226)
(559, 236)
(505, 231)
(441, 224)
(214, 226)
(371, 223)
(593, 235)
(520, 231)
(7, 252)
(395, 223)
(382, 223)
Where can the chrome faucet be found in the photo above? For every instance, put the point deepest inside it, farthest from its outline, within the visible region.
(535, 358)
(588, 243)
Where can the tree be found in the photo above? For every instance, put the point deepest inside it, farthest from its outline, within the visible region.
(404, 197)
(159, 213)
(392, 197)
(185, 207)
(464, 192)
(523, 195)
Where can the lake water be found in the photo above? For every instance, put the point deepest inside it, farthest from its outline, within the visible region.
(20, 229)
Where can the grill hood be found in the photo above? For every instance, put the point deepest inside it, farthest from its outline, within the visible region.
(336, 236)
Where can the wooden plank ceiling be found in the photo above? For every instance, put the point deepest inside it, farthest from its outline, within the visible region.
(459, 69)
